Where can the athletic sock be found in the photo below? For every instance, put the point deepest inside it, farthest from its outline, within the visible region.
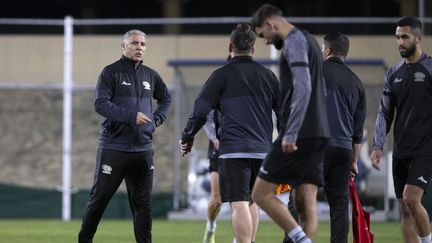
(425, 239)
(211, 225)
(297, 235)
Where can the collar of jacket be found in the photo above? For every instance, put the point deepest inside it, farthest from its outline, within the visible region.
(241, 57)
(130, 62)
(336, 59)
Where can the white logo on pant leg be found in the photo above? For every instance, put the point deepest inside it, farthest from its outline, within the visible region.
(146, 85)
(422, 179)
(106, 169)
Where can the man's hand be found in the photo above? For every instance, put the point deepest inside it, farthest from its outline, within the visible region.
(375, 158)
(185, 148)
(142, 119)
(216, 143)
(354, 169)
(288, 147)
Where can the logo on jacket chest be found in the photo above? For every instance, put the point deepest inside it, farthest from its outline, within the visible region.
(398, 80)
(419, 77)
(146, 85)
(126, 83)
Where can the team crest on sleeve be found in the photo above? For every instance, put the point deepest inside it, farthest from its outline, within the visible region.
(146, 85)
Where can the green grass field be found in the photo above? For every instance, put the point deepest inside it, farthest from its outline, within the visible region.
(120, 231)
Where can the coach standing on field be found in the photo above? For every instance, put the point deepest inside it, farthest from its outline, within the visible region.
(124, 94)
(245, 93)
(346, 107)
(408, 92)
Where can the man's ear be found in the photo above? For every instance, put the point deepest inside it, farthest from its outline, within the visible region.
(271, 24)
(122, 45)
(230, 47)
(418, 39)
(327, 51)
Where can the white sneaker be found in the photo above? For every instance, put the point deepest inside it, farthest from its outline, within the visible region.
(209, 237)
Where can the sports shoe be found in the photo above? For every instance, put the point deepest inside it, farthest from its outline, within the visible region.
(209, 237)
(287, 239)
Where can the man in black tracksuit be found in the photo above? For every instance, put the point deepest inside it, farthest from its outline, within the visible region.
(408, 94)
(245, 93)
(346, 108)
(123, 97)
(297, 155)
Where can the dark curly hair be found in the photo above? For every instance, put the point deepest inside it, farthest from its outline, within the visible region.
(243, 37)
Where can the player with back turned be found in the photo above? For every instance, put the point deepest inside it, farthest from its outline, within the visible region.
(346, 107)
(245, 93)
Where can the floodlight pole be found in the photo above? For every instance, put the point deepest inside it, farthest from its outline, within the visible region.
(67, 119)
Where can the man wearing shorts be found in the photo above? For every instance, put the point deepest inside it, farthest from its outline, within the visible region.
(408, 94)
(297, 154)
(245, 93)
(211, 128)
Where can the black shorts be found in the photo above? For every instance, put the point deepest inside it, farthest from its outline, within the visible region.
(237, 178)
(417, 172)
(214, 164)
(303, 166)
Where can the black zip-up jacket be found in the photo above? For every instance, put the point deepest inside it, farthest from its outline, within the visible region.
(122, 91)
(408, 92)
(346, 104)
(245, 93)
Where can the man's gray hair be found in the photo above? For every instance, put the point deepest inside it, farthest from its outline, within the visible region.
(132, 32)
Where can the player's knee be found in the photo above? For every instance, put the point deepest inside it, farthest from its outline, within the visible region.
(260, 197)
(410, 202)
(256, 197)
(404, 210)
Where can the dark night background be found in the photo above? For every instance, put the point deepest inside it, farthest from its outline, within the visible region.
(193, 8)
(101, 9)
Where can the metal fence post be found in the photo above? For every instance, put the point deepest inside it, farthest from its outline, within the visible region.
(67, 118)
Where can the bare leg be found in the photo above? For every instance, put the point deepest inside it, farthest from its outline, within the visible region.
(241, 221)
(254, 211)
(407, 223)
(263, 195)
(305, 204)
(414, 214)
(215, 202)
(213, 208)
